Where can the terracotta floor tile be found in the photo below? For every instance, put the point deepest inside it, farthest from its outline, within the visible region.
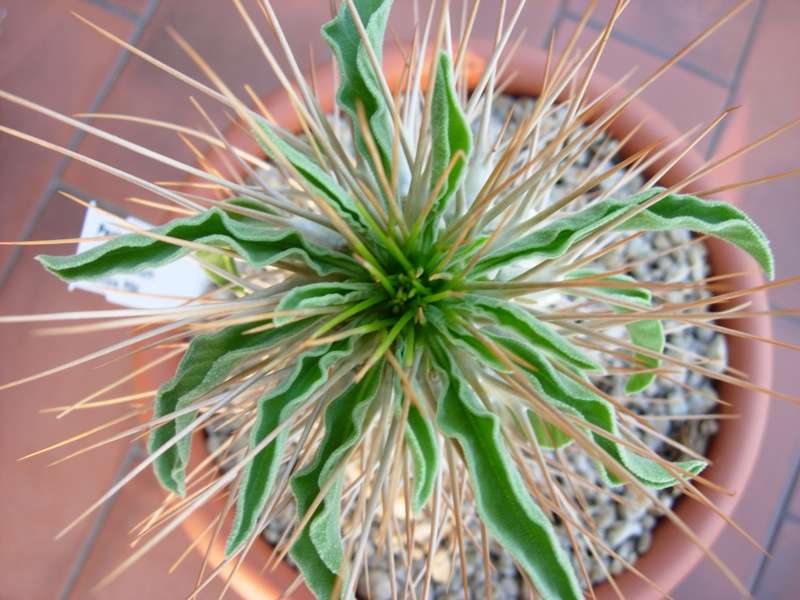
(126, 7)
(47, 58)
(219, 36)
(41, 565)
(665, 27)
(46, 499)
(51, 497)
(149, 577)
(780, 579)
(769, 93)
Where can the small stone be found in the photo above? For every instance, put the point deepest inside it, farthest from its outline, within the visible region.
(653, 442)
(695, 379)
(509, 588)
(661, 241)
(678, 403)
(504, 565)
(616, 567)
(717, 353)
(634, 510)
(704, 334)
(627, 551)
(440, 566)
(619, 532)
(418, 552)
(699, 269)
(678, 236)
(604, 515)
(379, 588)
(644, 542)
(668, 499)
(575, 562)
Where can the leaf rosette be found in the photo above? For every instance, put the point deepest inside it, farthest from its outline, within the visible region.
(396, 327)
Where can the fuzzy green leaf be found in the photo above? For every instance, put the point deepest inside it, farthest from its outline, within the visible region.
(308, 375)
(710, 217)
(421, 440)
(259, 245)
(320, 295)
(448, 326)
(207, 363)
(420, 435)
(359, 81)
(522, 324)
(503, 503)
(547, 435)
(465, 253)
(222, 262)
(573, 398)
(450, 134)
(316, 177)
(554, 238)
(647, 333)
(318, 549)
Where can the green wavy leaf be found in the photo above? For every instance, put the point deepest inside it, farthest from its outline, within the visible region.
(320, 295)
(207, 363)
(359, 81)
(450, 134)
(647, 333)
(573, 398)
(674, 211)
(421, 440)
(309, 373)
(503, 503)
(519, 322)
(318, 550)
(259, 245)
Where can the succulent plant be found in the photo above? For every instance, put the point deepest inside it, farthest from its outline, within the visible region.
(390, 328)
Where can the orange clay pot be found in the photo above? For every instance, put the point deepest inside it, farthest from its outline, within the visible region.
(733, 449)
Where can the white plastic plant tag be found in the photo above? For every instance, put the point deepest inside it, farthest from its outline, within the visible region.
(170, 285)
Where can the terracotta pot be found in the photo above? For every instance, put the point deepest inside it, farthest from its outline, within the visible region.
(733, 449)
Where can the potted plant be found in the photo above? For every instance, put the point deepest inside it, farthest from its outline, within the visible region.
(393, 333)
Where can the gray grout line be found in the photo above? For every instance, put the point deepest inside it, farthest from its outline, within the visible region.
(115, 9)
(794, 319)
(556, 23)
(777, 519)
(134, 453)
(64, 161)
(733, 88)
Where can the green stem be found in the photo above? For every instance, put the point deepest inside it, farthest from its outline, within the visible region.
(441, 296)
(384, 345)
(412, 332)
(352, 311)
